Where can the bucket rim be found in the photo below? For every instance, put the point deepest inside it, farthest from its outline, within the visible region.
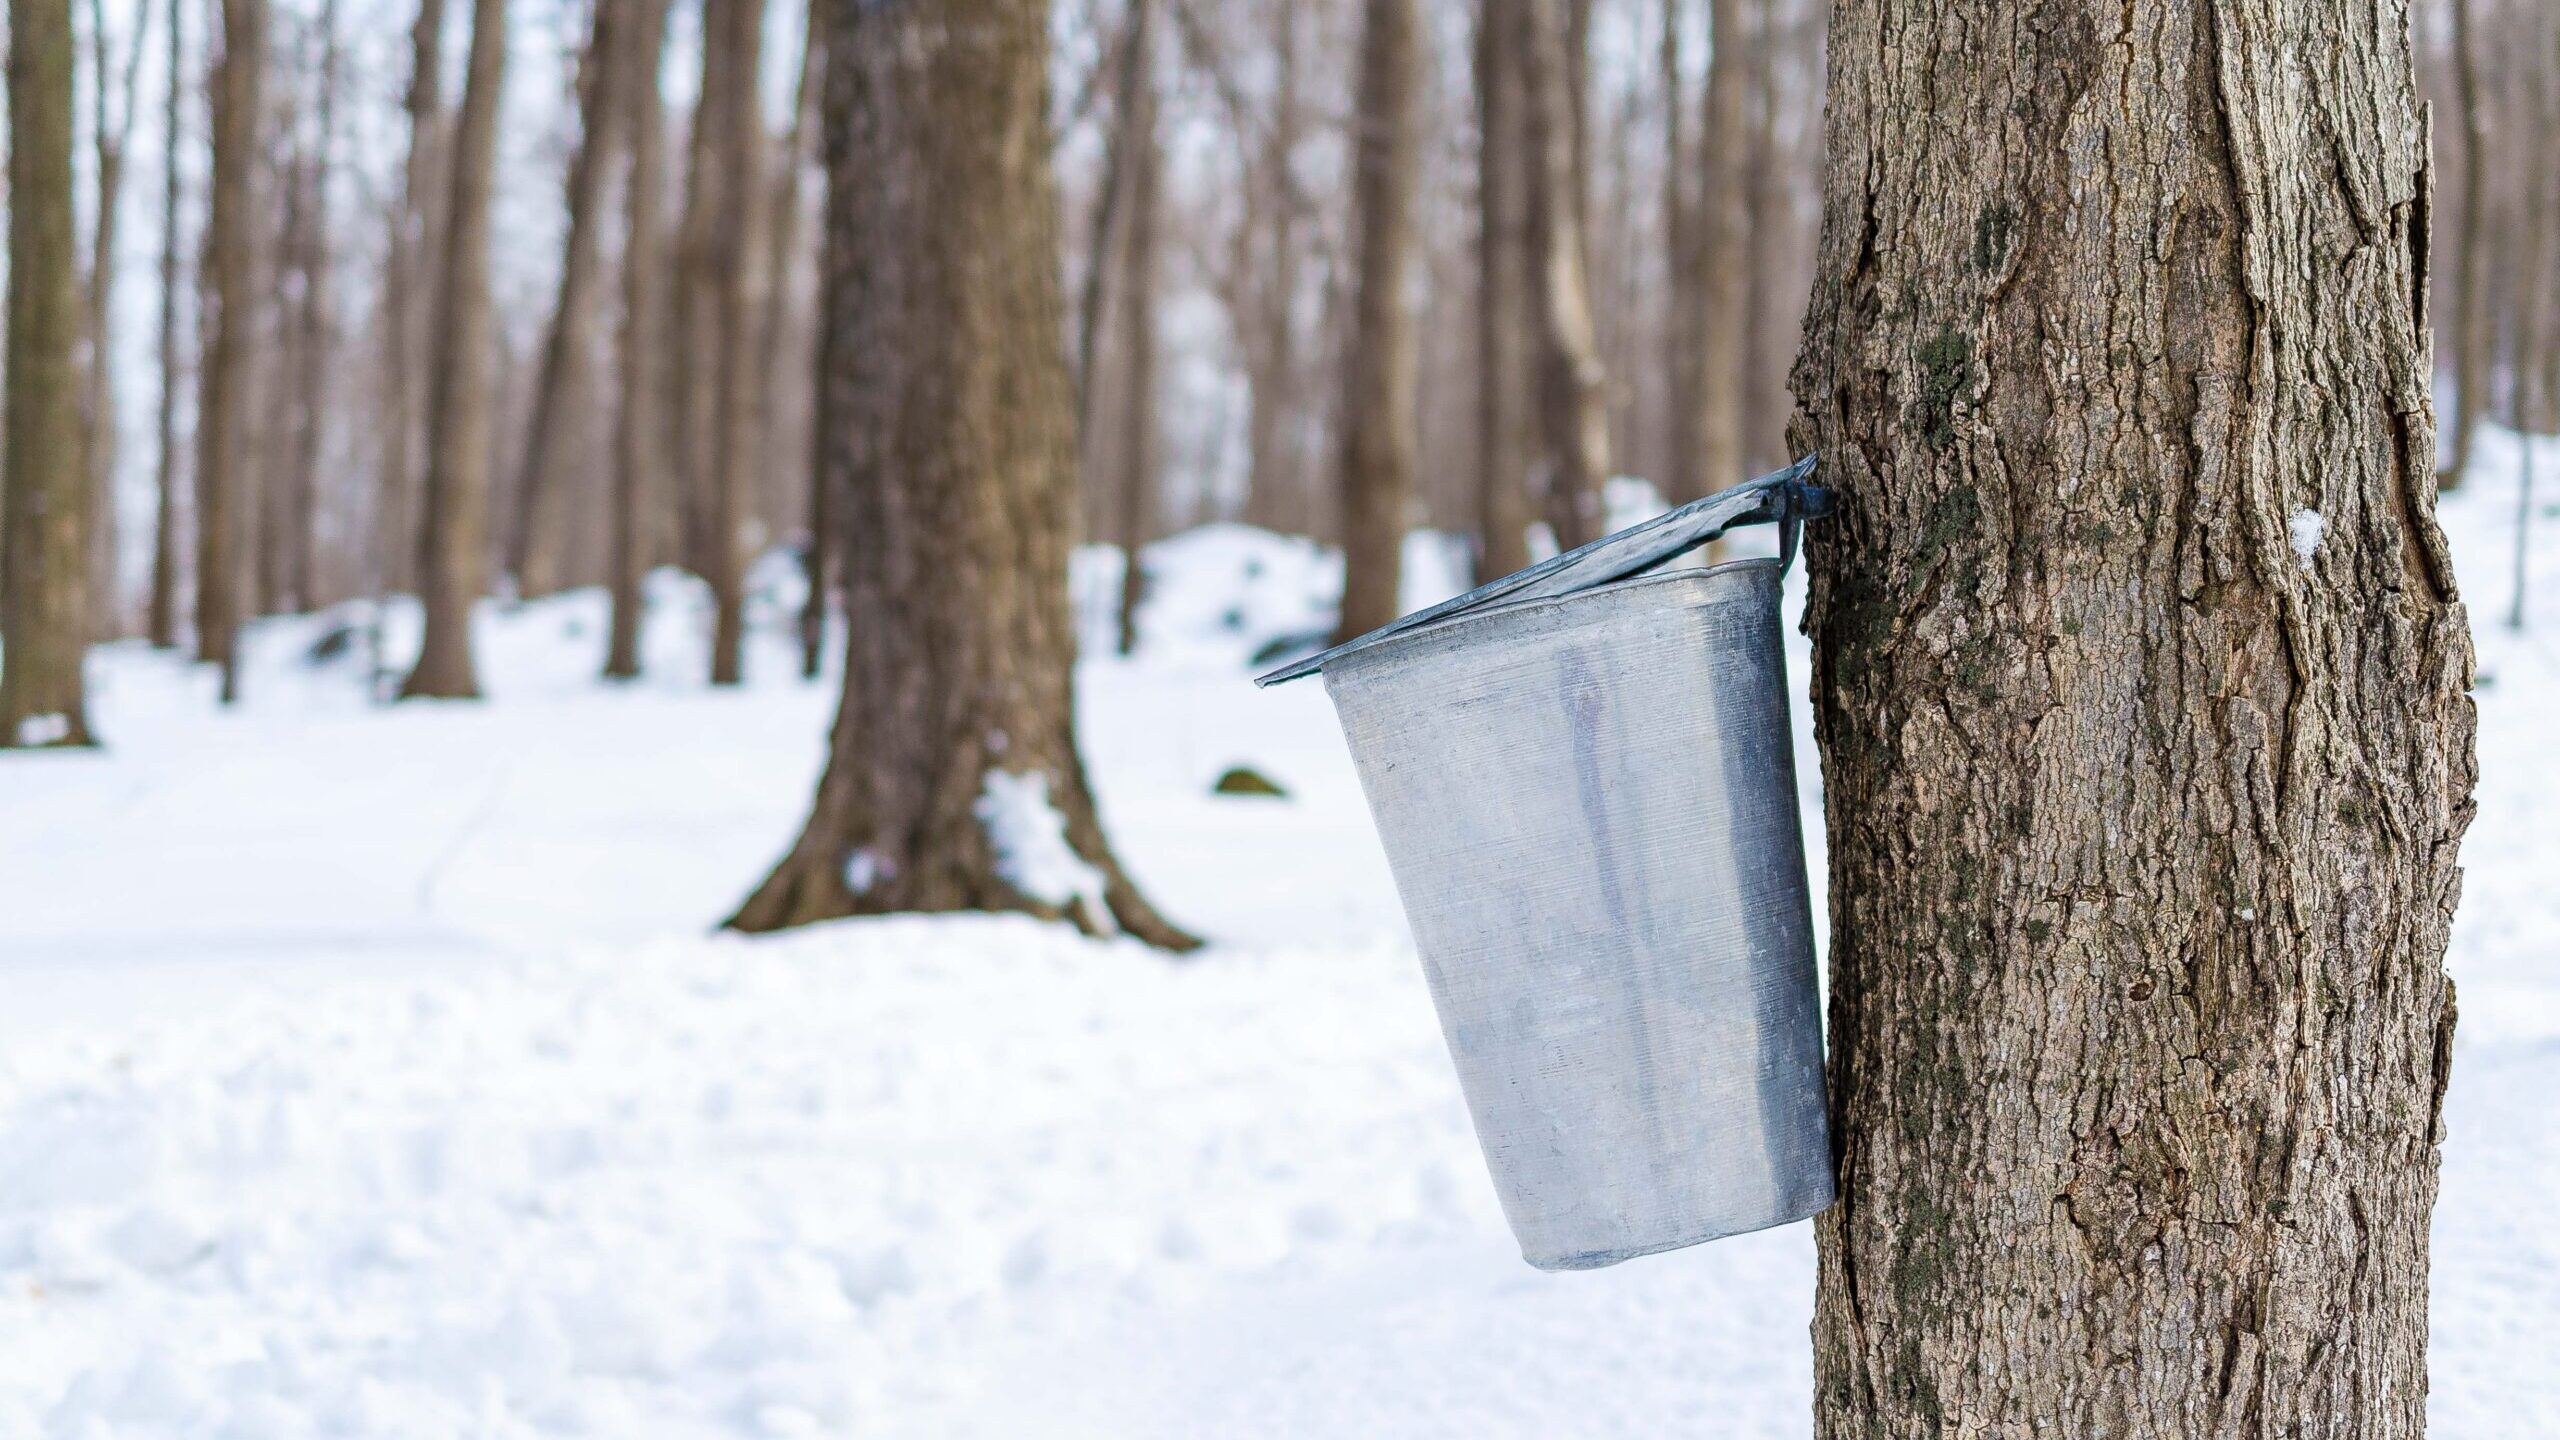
(1387, 645)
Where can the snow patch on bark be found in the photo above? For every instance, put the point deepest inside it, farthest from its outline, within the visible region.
(34, 730)
(2306, 528)
(1029, 837)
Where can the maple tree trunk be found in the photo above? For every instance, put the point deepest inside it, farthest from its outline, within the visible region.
(1505, 332)
(229, 338)
(738, 267)
(45, 484)
(454, 526)
(2139, 680)
(1572, 405)
(948, 407)
(2472, 330)
(1723, 292)
(563, 406)
(639, 475)
(408, 288)
(1377, 420)
(162, 625)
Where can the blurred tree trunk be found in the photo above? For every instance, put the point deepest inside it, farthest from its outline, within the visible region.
(1572, 390)
(1506, 333)
(2472, 336)
(163, 624)
(826, 561)
(638, 426)
(45, 584)
(1723, 285)
(1377, 420)
(313, 343)
(109, 132)
(1131, 90)
(948, 403)
(229, 334)
(2139, 679)
(692, 398)
(1137, 134)
(738, 259)
(563, 390)
(782, 226)
(1272, 266)
(408, 290)
(1681, 336)
(453, 533)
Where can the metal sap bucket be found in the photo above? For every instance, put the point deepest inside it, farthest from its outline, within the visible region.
(1584, 779)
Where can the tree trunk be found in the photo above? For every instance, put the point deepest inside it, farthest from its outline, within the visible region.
(822, 563)
(408, 290)
(1378, 367)
(2471, 324)
(109, 133)
(2139, 679)
(563, 396)
(1572, 390)
(314, 346)
(1140, 133)
(1505, 330)
(1680, 336)
(948, 404)
(638, 476)
(1130, 83)
(738, 260)
(1724, 293)
(229, 336)
(1275, 449)
(453, 535)
(693, 374)
(44, 537)
(163, 623)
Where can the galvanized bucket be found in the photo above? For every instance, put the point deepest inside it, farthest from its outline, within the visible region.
(1585, 784)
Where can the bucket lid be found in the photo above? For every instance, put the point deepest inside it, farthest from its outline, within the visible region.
(1782, 495)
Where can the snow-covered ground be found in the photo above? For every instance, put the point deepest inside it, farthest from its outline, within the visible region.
(375, 1072)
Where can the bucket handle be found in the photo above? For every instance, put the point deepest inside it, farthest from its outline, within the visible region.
(1787, 496)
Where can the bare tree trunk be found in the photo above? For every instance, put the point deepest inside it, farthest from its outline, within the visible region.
(110, 131)
(692, 397)
(1139, 132)
(44, 531)
(783, 205)
(164, 525)
(1271, 273)
(1505, 329)
(735, 452)
(230, 330)
(948, 402)
(563, 402)
(1680, 336)
(1378, 370)
(452, 540)
(2139, 678)
(1724, 296)
(637, 430)
(1130, 82)
(314, 345)
(408, 290)
(2471, 326)
(1572, 390)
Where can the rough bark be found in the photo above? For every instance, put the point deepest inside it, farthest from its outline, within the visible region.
(409, 275)
(2142, 824)
(453, 531)
(1724, 295)
(738, 268)
(1378, 371)
(228, 334)
(950, 418)
(563, 408)
(1572, 389)
(1505, 331)
(44, 534)
(162, 624)
(2471, 327)
(638, 428)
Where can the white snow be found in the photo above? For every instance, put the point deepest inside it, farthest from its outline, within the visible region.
(2305, 527)
(376, 1072)
(1029, 838)
(47, 729)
